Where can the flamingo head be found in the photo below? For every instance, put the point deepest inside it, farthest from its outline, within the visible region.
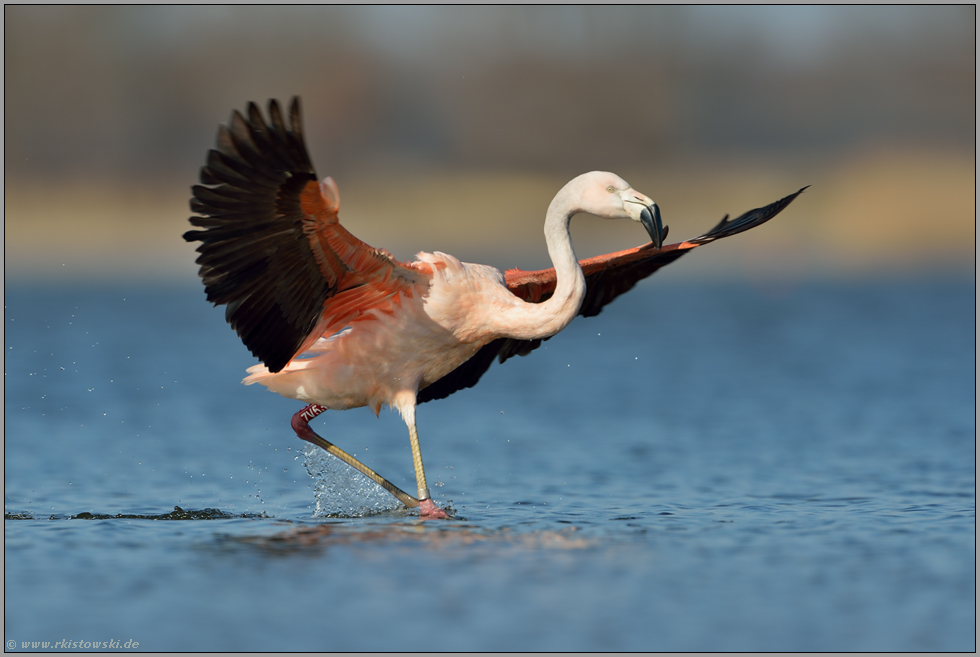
(606, 195)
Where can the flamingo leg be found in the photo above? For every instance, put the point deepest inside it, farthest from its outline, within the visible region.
(427, 508)
(301, 426)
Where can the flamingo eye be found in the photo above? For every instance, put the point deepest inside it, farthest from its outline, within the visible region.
(610, 189)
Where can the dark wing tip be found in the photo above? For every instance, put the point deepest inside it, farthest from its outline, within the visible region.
(254, 256)
(749, 220)
(295, 117)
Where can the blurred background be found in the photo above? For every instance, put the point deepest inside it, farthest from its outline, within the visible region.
(783, 460)
(452, 128)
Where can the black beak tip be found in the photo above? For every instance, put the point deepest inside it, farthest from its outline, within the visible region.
(650, 218)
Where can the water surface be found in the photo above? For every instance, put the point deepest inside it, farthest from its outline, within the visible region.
(702, 467)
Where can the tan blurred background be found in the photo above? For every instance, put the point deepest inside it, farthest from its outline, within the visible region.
(452, 128)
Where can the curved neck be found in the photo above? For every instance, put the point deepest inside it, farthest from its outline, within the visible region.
(542, 320)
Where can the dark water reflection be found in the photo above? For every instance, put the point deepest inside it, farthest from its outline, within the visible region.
(702, 467)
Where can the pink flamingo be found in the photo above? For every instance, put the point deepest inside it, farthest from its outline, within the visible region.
(339, 324)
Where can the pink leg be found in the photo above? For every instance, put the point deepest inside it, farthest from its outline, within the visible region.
(301, 423)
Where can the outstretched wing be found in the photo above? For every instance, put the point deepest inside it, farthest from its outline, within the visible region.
(606, 277)
(272, 249)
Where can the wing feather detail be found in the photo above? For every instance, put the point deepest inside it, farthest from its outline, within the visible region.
(272, 249)
(606, 277)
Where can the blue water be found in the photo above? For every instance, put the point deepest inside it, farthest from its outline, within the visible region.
(702, 467)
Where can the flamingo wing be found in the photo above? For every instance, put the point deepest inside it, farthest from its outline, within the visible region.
(272, 249)
(606, 277)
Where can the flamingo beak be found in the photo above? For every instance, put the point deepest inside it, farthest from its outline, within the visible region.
(650, 218)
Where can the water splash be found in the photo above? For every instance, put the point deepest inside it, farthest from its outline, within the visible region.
(343, 492)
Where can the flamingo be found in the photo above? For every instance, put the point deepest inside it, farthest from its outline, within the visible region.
(338, 324)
